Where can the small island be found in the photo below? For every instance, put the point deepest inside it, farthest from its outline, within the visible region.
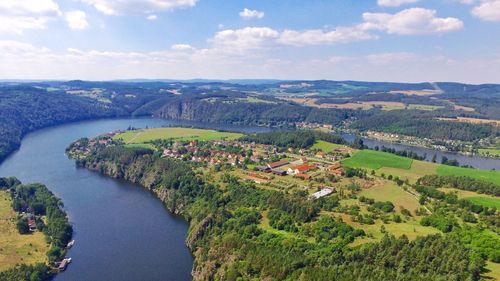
(34, 232)
(306, 205)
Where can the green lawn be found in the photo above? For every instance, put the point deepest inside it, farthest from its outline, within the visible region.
(376, 159)
(389, 191)
(326, 146)
(16, 248)
(424, 107)
(142, 136)
(487, 175)
(485, 201)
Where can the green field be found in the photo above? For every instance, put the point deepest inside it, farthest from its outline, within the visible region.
(424, 107)
(485, 201)
(389, 191)
(487, 175)
(375, 160)
(14, 247)
(185, 134)
(326, 146)
(490, 151)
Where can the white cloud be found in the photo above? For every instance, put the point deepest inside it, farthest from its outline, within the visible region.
(182, 47)
(389, 58)
(127, 7)
(152, 17)
(76, 20)
(17, 16)
(318, 36)
(251, 38)
(245, 39)
(395, 3)
(488, 10)
(250, 14)
(25, 61)
(411, 21)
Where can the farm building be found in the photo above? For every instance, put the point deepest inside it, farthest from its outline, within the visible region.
(277, 164)
(322, 193)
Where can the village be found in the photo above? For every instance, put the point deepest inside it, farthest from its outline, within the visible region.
(266, 165)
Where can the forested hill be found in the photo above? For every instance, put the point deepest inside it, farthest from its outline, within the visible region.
(26, 108)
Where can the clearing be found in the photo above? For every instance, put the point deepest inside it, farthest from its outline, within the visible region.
(376, 159)
(326, 146)
(14, 247)
(487, 175)
(184, 134)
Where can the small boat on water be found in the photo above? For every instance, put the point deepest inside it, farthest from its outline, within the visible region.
(70, 244)
(64, 264)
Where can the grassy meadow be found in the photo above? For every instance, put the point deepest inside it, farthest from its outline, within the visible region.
(184, 134)
(375, 160)
(487, 175)
(14, 247)
(326, 146)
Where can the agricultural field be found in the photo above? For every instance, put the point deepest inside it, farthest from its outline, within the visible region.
(326, 146)
(424, 107)
(485, 201)
(487, 175)
(184, 134)
(14, 247)
(385, 190)
(375, 160)
(418, 169)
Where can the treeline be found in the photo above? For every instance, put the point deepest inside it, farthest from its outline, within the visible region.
(225, 229)
(222, 107)
(37, 200)
(404, 153)
(460, 182)
(295, 139)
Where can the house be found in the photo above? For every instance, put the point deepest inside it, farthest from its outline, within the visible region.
(278, 172)
(303, 176)
(320, 154)
(322, 193)
(335, 169)
(277, 164)
(264, 169)
(300, 169)
(32, 223)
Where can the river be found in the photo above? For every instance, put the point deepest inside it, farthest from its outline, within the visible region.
(122, 231)
(473, 161)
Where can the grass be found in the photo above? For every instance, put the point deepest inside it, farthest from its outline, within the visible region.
(485, 201)
(184, 134)
(418, 169)
(490, 151)
(424, 107)
(255, 100)
(487, 175)
(14, 247)
(376, 159)
(493, 271)
(326, 146)
(385, 190)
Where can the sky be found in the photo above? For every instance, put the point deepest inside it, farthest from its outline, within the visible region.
(367, 40)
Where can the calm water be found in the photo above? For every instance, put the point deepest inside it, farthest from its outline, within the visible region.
(474, 161)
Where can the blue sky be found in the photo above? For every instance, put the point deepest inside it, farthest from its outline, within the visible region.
(371, 40)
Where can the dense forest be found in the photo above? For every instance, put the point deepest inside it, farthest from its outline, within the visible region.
(228, 243)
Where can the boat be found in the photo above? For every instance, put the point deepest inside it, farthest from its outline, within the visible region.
(70, 244)
(64, 264)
